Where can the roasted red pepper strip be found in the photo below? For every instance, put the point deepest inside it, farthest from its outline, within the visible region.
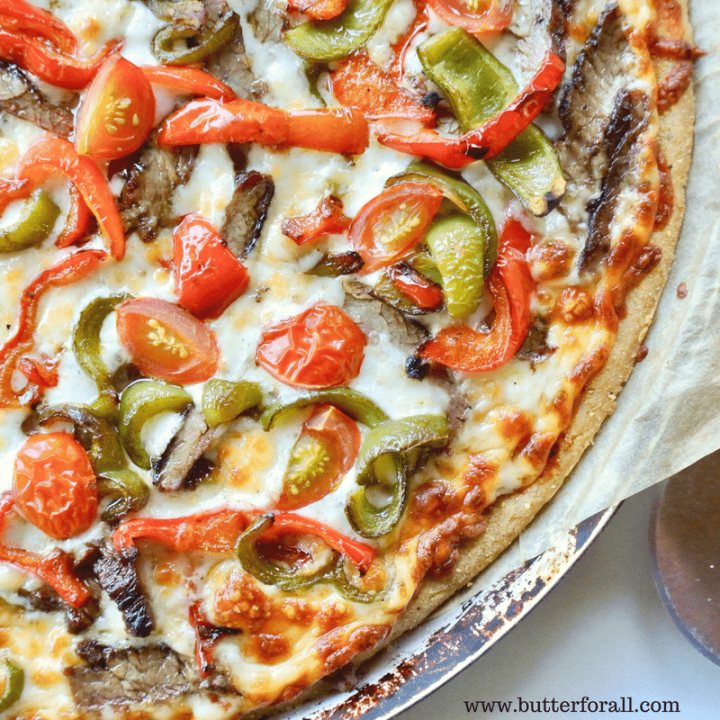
(219, 531)
(44, 374)
(58, 155)
(241, 121)
(402, 46)
(318, 9)
(326, 219)
(491, 137)
(11, 190)
(56, 569)
(22, 18)
(78, 220)
(358, 82)
(188, 80)
(50, 65)
(67, 271)
(424, 293)
(461, 347)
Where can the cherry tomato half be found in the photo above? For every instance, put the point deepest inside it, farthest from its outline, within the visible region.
(117, 113)
(208, 277)
(392, 223)
(324, 452)
(475, 16)
(54, 485)
(167, 342)
(320, 348)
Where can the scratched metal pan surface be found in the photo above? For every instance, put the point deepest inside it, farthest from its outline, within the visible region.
(425, 658)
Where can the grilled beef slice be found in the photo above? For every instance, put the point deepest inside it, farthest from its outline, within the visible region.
(603, 120)
(267, 20)
(20, 97)
(142, 675)
(118, 578)
(152, 177)
(183, 451)
(377, 318)
(247, 211)
(542, 26)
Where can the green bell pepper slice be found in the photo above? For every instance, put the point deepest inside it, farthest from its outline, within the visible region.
(127, 492)
(335, 39)
(458, 246)
(205, 43)
(34, 226)
(461, 194)
(354, 404)
(87, 350)
(14, 684)
(385, 454)
(223, 400)
(478, 86)
(141, 402)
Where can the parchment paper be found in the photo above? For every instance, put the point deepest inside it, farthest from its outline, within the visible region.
(668, 414)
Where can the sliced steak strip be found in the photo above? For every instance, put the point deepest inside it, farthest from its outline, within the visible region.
(603, 122)
(183, 451)
(267, 20)
(542, 25)
(119, 579)
(145, 202)
(378, 319)
(247, 212)
(145, 675)
(19, 97)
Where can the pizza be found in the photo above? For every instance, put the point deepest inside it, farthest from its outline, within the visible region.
(308, 307)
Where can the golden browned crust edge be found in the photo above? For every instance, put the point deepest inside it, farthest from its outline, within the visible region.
(509, 516)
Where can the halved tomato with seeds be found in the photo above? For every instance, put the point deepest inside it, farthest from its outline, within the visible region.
(475, 16)
(167, 342)
(117, 113)
(392, 223)
(324, 452)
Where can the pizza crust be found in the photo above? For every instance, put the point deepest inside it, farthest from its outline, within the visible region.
(510, 515)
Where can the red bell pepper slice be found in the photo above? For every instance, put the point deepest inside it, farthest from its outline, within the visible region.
(326, 219)
(208, 277)
(318, 9)
(56, 569)
(242, 121)
(43, 373)
(53, 67)
(22, 18)
(78, 220)
(67, 271)
(188, 80)
(358, 82)
(219, 531)
(11, 190)
(493, 136)
(424, 293)
(59, 155)
(510, 284)
(402, 46)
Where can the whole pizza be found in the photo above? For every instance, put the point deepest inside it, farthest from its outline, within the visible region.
(308, 307)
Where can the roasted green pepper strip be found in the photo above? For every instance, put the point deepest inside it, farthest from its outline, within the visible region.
(34, 226)
(337, 38)
(223, 400)
(458, 246)
(399, 437)
(140, 402)
(478, 86)
(269, 573)
(86, 347)
(359, 407)
(127, 491)
(14, 683)
(372, 520)
(386, 291)
(461, 194)
(423, 262)
(352, 592)
(336, 265)
(205, 43)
